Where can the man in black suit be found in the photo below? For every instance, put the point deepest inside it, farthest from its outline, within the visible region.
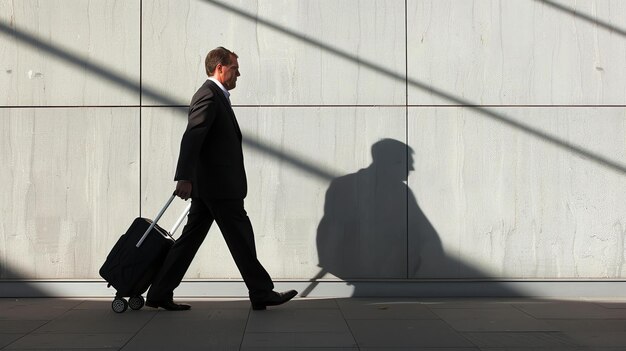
(211, 171)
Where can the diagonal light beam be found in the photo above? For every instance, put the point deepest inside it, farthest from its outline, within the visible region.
(550, 139)
(74, 59)
(134, 87)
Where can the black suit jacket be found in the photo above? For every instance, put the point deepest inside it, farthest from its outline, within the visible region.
(211, 155)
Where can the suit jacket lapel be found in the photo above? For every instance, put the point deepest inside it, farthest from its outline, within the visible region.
(229, 108)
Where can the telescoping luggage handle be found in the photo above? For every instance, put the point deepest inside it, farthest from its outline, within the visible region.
(156, 219)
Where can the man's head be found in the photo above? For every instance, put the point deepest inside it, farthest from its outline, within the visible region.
(222, 65)
(394, 157)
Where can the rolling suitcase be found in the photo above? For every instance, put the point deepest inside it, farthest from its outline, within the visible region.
(136, 258)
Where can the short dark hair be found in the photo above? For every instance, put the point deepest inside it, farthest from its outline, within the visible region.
(218, 56)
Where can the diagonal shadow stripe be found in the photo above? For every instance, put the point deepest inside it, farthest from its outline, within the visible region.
(293, 159)
(103, 72)
(114, 77)
(290, 158)
(593, 20)
(124, 82)
(550, 139)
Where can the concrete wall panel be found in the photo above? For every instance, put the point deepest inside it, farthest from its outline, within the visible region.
(517, 52)
(292, 156)
(70, 182)
(528, 189)
(508, 204)
(100, 38)
(279, 66)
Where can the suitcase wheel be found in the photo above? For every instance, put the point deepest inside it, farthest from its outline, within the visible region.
(119, 305)
(136, 302)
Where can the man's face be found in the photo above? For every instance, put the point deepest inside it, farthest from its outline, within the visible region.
(229, 74)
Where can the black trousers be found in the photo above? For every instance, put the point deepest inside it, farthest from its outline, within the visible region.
(233, 221)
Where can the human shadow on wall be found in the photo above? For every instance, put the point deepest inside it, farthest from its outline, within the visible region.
(373, 228)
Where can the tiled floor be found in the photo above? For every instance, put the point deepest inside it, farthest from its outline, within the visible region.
(318, 324)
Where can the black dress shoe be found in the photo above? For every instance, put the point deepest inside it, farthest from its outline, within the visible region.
(168, 305)
(273, 299)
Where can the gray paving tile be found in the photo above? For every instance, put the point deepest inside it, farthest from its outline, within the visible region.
(385, 300)
(157, 328)
(468, 303)
(274, 348)
(521, 339)
(105, 304)
(197, 329)
(405, 333)
(201, 314)
(590, 325)
(465, 313)
(612, 305)
(7, 339)
(70, 341)
(614, 299)
(299, 339)
(599, 338)
(98, 322)
(384, 309)
(36, 309)
(20, 326)
(220, 304)
(572, 348)
(36, 301)
(309, 303)
(186, 339)
(502, 319)
(571, 310)
(95, 304)
(7, 301)
(309, 324)
(294, 321)
(79, 349)
(422, 349)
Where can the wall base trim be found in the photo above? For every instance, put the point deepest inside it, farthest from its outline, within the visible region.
(333, 288)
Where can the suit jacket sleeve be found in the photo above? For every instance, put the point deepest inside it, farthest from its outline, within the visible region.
(201, 117)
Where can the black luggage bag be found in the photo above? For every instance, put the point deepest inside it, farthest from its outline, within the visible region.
(136, 258)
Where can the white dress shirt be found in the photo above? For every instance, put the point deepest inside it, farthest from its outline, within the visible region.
(226, 93)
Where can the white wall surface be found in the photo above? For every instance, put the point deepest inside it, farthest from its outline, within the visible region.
(513, 113)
